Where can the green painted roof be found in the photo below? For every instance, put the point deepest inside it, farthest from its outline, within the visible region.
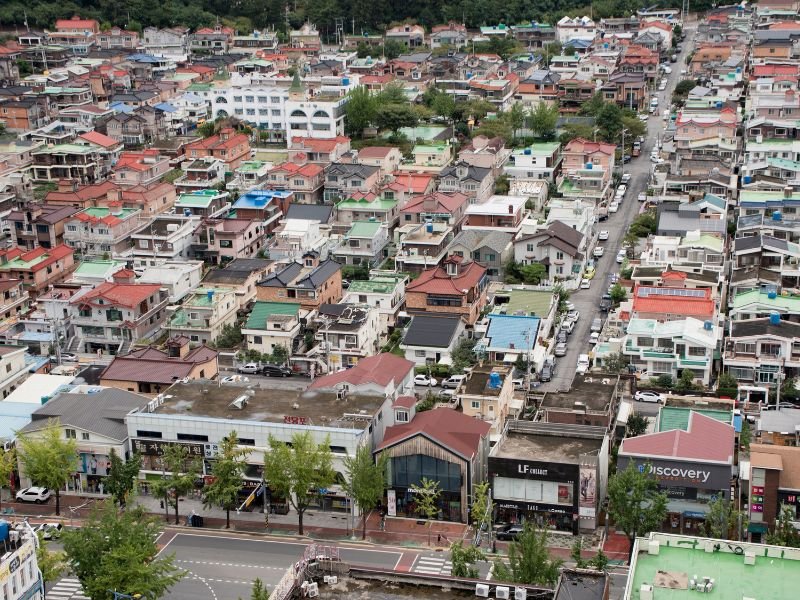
(363, 204)
(201, 199)
(364, 229)
(97, 268)
(98, 212)
(784, 163)
(199, 297)
(527, 301)
(785, 302)
(251, 165)
(200, 87)
(546, 148)
(706, 241)
(676, 417)
(379, 285)
(263, 310)
(65, 149)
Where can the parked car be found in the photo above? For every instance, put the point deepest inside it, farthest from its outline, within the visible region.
(643, 117)
(512, 532)
(602, 236)
(598, 251)
(424, 380)
(626, 158)
(626, 177)
(585, 284)
(594, 338)
(35, 494)
(519, 384)
(276, 371)
(546, 373)
(613, 207)
(646, 396)
(597, 324)
(250, 368)
(560, 349)
(583, 363)
(605, 303)
(50, 531)
(621, 256)
(230, 379)
(642, 197)
(561, 337)
(573, 315)
(568, 326)
(570, 305)
(621, 190)
(589, 273)
(453, 381)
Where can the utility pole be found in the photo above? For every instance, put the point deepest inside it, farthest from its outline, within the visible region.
(622, 156)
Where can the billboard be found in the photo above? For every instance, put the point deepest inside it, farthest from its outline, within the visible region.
(391, 501)
(587, 491)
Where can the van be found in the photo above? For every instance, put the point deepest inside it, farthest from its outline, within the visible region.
(597, 324)
(453, 381)
(583, 364)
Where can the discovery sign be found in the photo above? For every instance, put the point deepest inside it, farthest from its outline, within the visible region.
(682, 474)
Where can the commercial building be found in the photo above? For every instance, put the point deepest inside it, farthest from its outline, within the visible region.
(553, 475)
(771, 480)
(20, 578)
(693, 467)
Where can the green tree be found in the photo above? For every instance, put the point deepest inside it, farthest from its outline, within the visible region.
(366, 481)
(615, 363)
(746, 435)
(789, 390)
(593, 106)
(723, 521)
(395, 116)
(206, 129)
(570, 131)
(299, 471)
(359, 111)
(24, 67)
(51, 563)
(8, 462)
(427, 495)
(463, 355)
(533, 273)
(443, 105)
(575, 554)
(230, 336)
(635, 503)
(179, 472)
(618, 294)
(118, 551)
(259, 592)
(636, 425)
(686, 380)
(496, 127)
(226, 473)
(784, 533)
(49, 459)
(609, 122)
(727, 385)
(516, 118)
(543, 119)
(463, 559)
(664, 381)
(529, 560)
(121, 480)
(393, 93)
(392, 49)
(482, 506)
(279, 355)
(502, 185)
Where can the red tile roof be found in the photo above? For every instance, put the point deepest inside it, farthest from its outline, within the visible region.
(51, 256)
(382, 369)
(700, 307)
(86, 192)
(129, 295)
(446, 202)
(76, 22)
(318, 145)
(375, 151)
(154, 366)
(95, 137)
(706, 439)
(405, 402)
(418, 182)
(585, 146)
(309, 170)
(135, 160)
(437, 281)
(215, 142)
(449, 428)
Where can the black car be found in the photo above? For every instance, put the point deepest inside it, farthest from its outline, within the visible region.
(510, 533)
(602, 218)
(626, 158)
(605, 302)
(561, 337)
(546, 374)
(275, 371)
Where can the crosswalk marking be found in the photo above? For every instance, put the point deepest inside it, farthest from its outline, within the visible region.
(68, 588)
(430, 565)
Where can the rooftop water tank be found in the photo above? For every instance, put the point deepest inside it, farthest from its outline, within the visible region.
(345, 81)
(494, 380)
(708, 325)
(5, 528)
(429, 227)
(747, 179)
(772, 294)
(210, 295)
(187, 212)
(527, 151)
(774, 318)
(588, 165)
(776, 215)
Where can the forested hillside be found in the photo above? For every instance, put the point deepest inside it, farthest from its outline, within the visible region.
(358, 15)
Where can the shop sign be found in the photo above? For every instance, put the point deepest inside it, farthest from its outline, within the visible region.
(391, 500)
(295, 420)
(156, 448)
(548, 508)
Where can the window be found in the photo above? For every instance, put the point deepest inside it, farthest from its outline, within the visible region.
(143, 244)
(226, 244)
(192, 437)
(69, 227)
(249, 99)
(530, 248)
(401, 416)
(42, 228)
(475, 404)
(70, 434)
(257, 339)
(771, 349)
(148, 434)
(84, 436)
(246, 442)
(419, 353)
(490, 258)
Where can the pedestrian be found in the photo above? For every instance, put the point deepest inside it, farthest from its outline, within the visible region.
(438, 538)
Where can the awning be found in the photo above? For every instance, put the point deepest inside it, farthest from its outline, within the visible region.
(510, 357)
(757, 527)
(689, 514)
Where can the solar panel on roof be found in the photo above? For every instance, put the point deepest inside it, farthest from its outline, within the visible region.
(685, 293)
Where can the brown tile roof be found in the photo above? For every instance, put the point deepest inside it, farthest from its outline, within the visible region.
(437, 281)
(449, 428)
(706, 439)
(790, 460)
(154, 366)
(382, 369)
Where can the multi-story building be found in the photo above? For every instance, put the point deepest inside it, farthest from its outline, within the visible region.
(38, 268)
(272, 324)
(219, 241)
(164, 238)
(117, 37)
(39, 225)
(113, 316)
(457, 288)
(474, 182)
(536, 161)
(251, 174)
(497, 213)
(305, 180)
(384, 290)
(228, 146)
(20, 575)
(201, 174)
(82, 163)
(363, 244)
(101, 230)
(347, 334)
(309, 283)
(171, 42)
(79, 35)
(203, 314)
(140, 168)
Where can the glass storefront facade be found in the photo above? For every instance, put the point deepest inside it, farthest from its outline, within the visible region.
(408, 471)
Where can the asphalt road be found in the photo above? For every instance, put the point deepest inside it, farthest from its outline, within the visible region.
(587, 302)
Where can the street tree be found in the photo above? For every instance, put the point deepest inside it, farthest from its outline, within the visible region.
(746, 435)
(366, 481)
(784, 532)
(443, 105)
(463, 355)
(516, 118)
(482, 506)
(542, 120)
(226, 476)
(259, 592)
(463, 559)
(616, 363)
(609, 122)
(52, 563)
(48, 458)
(395, 116)
(121, 480)
(116, 550)
(636, 425)
(359, 111)
(8, 462)
(179, 471)
(686, 380)
(723, 521)
(427, 495)
(635, 503)
(618, 294)
(529, 560)
(298, 472)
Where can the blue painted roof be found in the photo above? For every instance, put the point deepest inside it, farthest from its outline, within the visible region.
(166, 107)
(511, 331)
(145, 58)
(737, 423)
(259, 198)
(121, 107)
(14, 416)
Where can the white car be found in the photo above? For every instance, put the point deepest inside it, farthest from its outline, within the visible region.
(643, 117)
(683, 71)
(50, 531)
(423, 380)
(250, 368)
(649, 397)
(654, 157)
(602, 236)
(598, 251)
(621, 256)
(230, 379)
(570, 306)
(621, 190)
(668, 70)
(583, 363)
(34, 494)
(613, 207)
(626, 177)
(586, 284)
(642, 197)
(594, 338)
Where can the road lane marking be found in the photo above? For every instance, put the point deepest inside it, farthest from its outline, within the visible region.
(219, 564)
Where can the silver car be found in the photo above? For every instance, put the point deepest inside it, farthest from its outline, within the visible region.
(560, 349)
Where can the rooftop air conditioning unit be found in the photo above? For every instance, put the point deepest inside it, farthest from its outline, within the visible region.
(502, 592)
(481, 590)
(520, 593)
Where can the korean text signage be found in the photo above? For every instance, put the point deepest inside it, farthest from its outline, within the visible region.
(155, 448)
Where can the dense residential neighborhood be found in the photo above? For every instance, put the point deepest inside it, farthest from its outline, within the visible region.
(494, 311)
